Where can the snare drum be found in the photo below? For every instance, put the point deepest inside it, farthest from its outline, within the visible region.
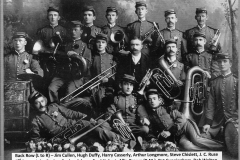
(231, 137)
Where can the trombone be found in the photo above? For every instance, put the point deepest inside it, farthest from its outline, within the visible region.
(91, 86)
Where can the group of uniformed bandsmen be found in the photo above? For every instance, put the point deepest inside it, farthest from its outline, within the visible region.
(84, 51)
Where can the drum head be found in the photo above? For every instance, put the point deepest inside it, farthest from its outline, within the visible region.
(231, 138)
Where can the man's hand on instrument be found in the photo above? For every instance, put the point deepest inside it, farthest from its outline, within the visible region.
(179, 83)
(104, 80)
(29, 71)
(165, 134)
(207, 74)
(123, 52)
(206, 128)
(145, 121)
(69, 53)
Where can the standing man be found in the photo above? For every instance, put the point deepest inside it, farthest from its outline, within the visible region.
(76, 50)
(202, 58)
(18, 61)
(136, 63)
(223, 99)
(112, 27)
(102, 62)
(142, 26)
(172, 33)
(89, 30)
(53, 28)
(202, 17)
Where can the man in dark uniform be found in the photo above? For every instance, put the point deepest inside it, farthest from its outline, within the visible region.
(77, 51)
(170, 57)
(201, 17)
(19, 61)
(202, 58)
(141, 27)
(48, 120)
(52, 29)
(102, 62)
(172, 33)
(128, 103)
(166, 122)
(136, 63)
(111, 27)
(89, 30)
(223, 99)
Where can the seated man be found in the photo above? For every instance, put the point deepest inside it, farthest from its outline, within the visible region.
(165, 122)
(128, 103)
(50, 120)
(18, 61)
(71, 72)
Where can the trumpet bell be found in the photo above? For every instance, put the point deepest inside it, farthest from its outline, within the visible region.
(117, 36)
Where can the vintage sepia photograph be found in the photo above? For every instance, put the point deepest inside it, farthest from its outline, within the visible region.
(158, 78)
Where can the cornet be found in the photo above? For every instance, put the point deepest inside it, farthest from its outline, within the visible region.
(144, 82)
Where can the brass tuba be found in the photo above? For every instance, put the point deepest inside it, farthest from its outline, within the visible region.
(165, 80)
(195, 93)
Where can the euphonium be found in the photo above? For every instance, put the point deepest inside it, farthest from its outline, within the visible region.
(122, 127)
(195, 92)
(165, 80)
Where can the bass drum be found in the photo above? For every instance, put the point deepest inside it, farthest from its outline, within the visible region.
(231, 137)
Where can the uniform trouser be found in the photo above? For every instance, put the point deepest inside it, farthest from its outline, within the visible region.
(191, 140)
(58, 82)
(81, 105)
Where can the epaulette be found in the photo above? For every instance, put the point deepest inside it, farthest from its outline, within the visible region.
(212, 28)
(104, 26)
(235, 76)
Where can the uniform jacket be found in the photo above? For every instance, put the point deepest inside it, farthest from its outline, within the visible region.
(139, 29)
(89, 33)
(127, 66)
(113, 47)
(223, 100)
(177, 68)
(47, 32)
(131, 111)
(209, 32)
(14, 65)
(181, 42)
(163, 118)
(55, 119)
(102, 62)
(204, 60)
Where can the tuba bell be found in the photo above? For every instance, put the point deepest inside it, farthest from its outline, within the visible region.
(118, 36)
(195, 93)
(164, 79)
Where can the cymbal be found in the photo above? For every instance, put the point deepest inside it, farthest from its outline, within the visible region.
(29, 76)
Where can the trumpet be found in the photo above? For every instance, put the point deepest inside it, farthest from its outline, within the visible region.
(215, 38)
(89, 85)
(144, 81)
(120, 125)
(118, 37)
